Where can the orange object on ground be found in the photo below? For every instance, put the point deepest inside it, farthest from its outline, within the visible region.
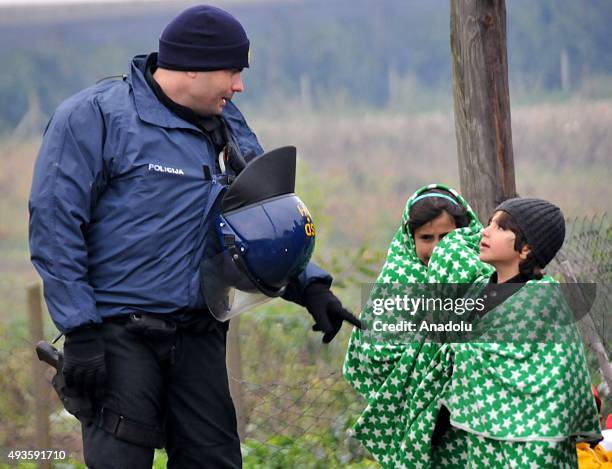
(593, 458)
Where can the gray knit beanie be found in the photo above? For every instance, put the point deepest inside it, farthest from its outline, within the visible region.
(542, 224)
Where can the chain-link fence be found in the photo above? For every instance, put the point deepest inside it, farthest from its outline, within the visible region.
(586, 257)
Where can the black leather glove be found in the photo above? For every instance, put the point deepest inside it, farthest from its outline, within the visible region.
(83, 368)
(327, 310)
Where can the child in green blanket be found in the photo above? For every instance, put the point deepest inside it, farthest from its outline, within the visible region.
(521, 395)
(437, 241)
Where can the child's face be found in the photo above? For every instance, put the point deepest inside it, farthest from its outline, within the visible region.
(427, 236)
(497, 244)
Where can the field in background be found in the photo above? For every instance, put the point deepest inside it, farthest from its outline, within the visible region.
(366, 166)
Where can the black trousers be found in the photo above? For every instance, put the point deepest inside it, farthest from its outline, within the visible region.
(176, 383)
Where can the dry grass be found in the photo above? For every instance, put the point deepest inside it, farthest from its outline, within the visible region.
(370, 164)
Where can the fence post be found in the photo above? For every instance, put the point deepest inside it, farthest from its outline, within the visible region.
(234, 371)
(39, 383)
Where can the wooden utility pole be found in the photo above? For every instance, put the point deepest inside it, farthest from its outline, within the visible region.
(482, 103)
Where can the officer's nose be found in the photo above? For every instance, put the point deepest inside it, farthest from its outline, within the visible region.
(238, 85)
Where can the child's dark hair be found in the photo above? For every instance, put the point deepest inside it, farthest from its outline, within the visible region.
(529, 267)
(426, 209)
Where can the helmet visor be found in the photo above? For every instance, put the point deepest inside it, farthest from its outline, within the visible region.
(227, 288)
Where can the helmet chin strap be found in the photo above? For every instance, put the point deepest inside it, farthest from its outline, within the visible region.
(230, 244)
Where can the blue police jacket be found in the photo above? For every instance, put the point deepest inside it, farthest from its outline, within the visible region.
(120, 202)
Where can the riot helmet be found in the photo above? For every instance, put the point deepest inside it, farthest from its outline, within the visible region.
(263, 237)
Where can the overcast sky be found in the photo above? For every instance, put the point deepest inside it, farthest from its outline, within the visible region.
(52, 2)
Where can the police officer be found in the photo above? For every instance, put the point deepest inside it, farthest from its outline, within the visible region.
(124, 187)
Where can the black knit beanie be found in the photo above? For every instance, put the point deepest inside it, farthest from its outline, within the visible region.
(203, 38)
(542, 224)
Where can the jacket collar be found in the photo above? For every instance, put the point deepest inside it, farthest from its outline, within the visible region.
(148, 107)
(520, 278)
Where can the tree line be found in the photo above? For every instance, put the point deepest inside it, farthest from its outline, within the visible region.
(363, 53)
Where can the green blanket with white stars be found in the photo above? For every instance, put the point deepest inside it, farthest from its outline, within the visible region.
(526, 378)
(402, 381)
(519, 394)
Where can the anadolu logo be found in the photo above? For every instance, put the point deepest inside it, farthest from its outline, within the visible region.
(166, 169)
(309, 227)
